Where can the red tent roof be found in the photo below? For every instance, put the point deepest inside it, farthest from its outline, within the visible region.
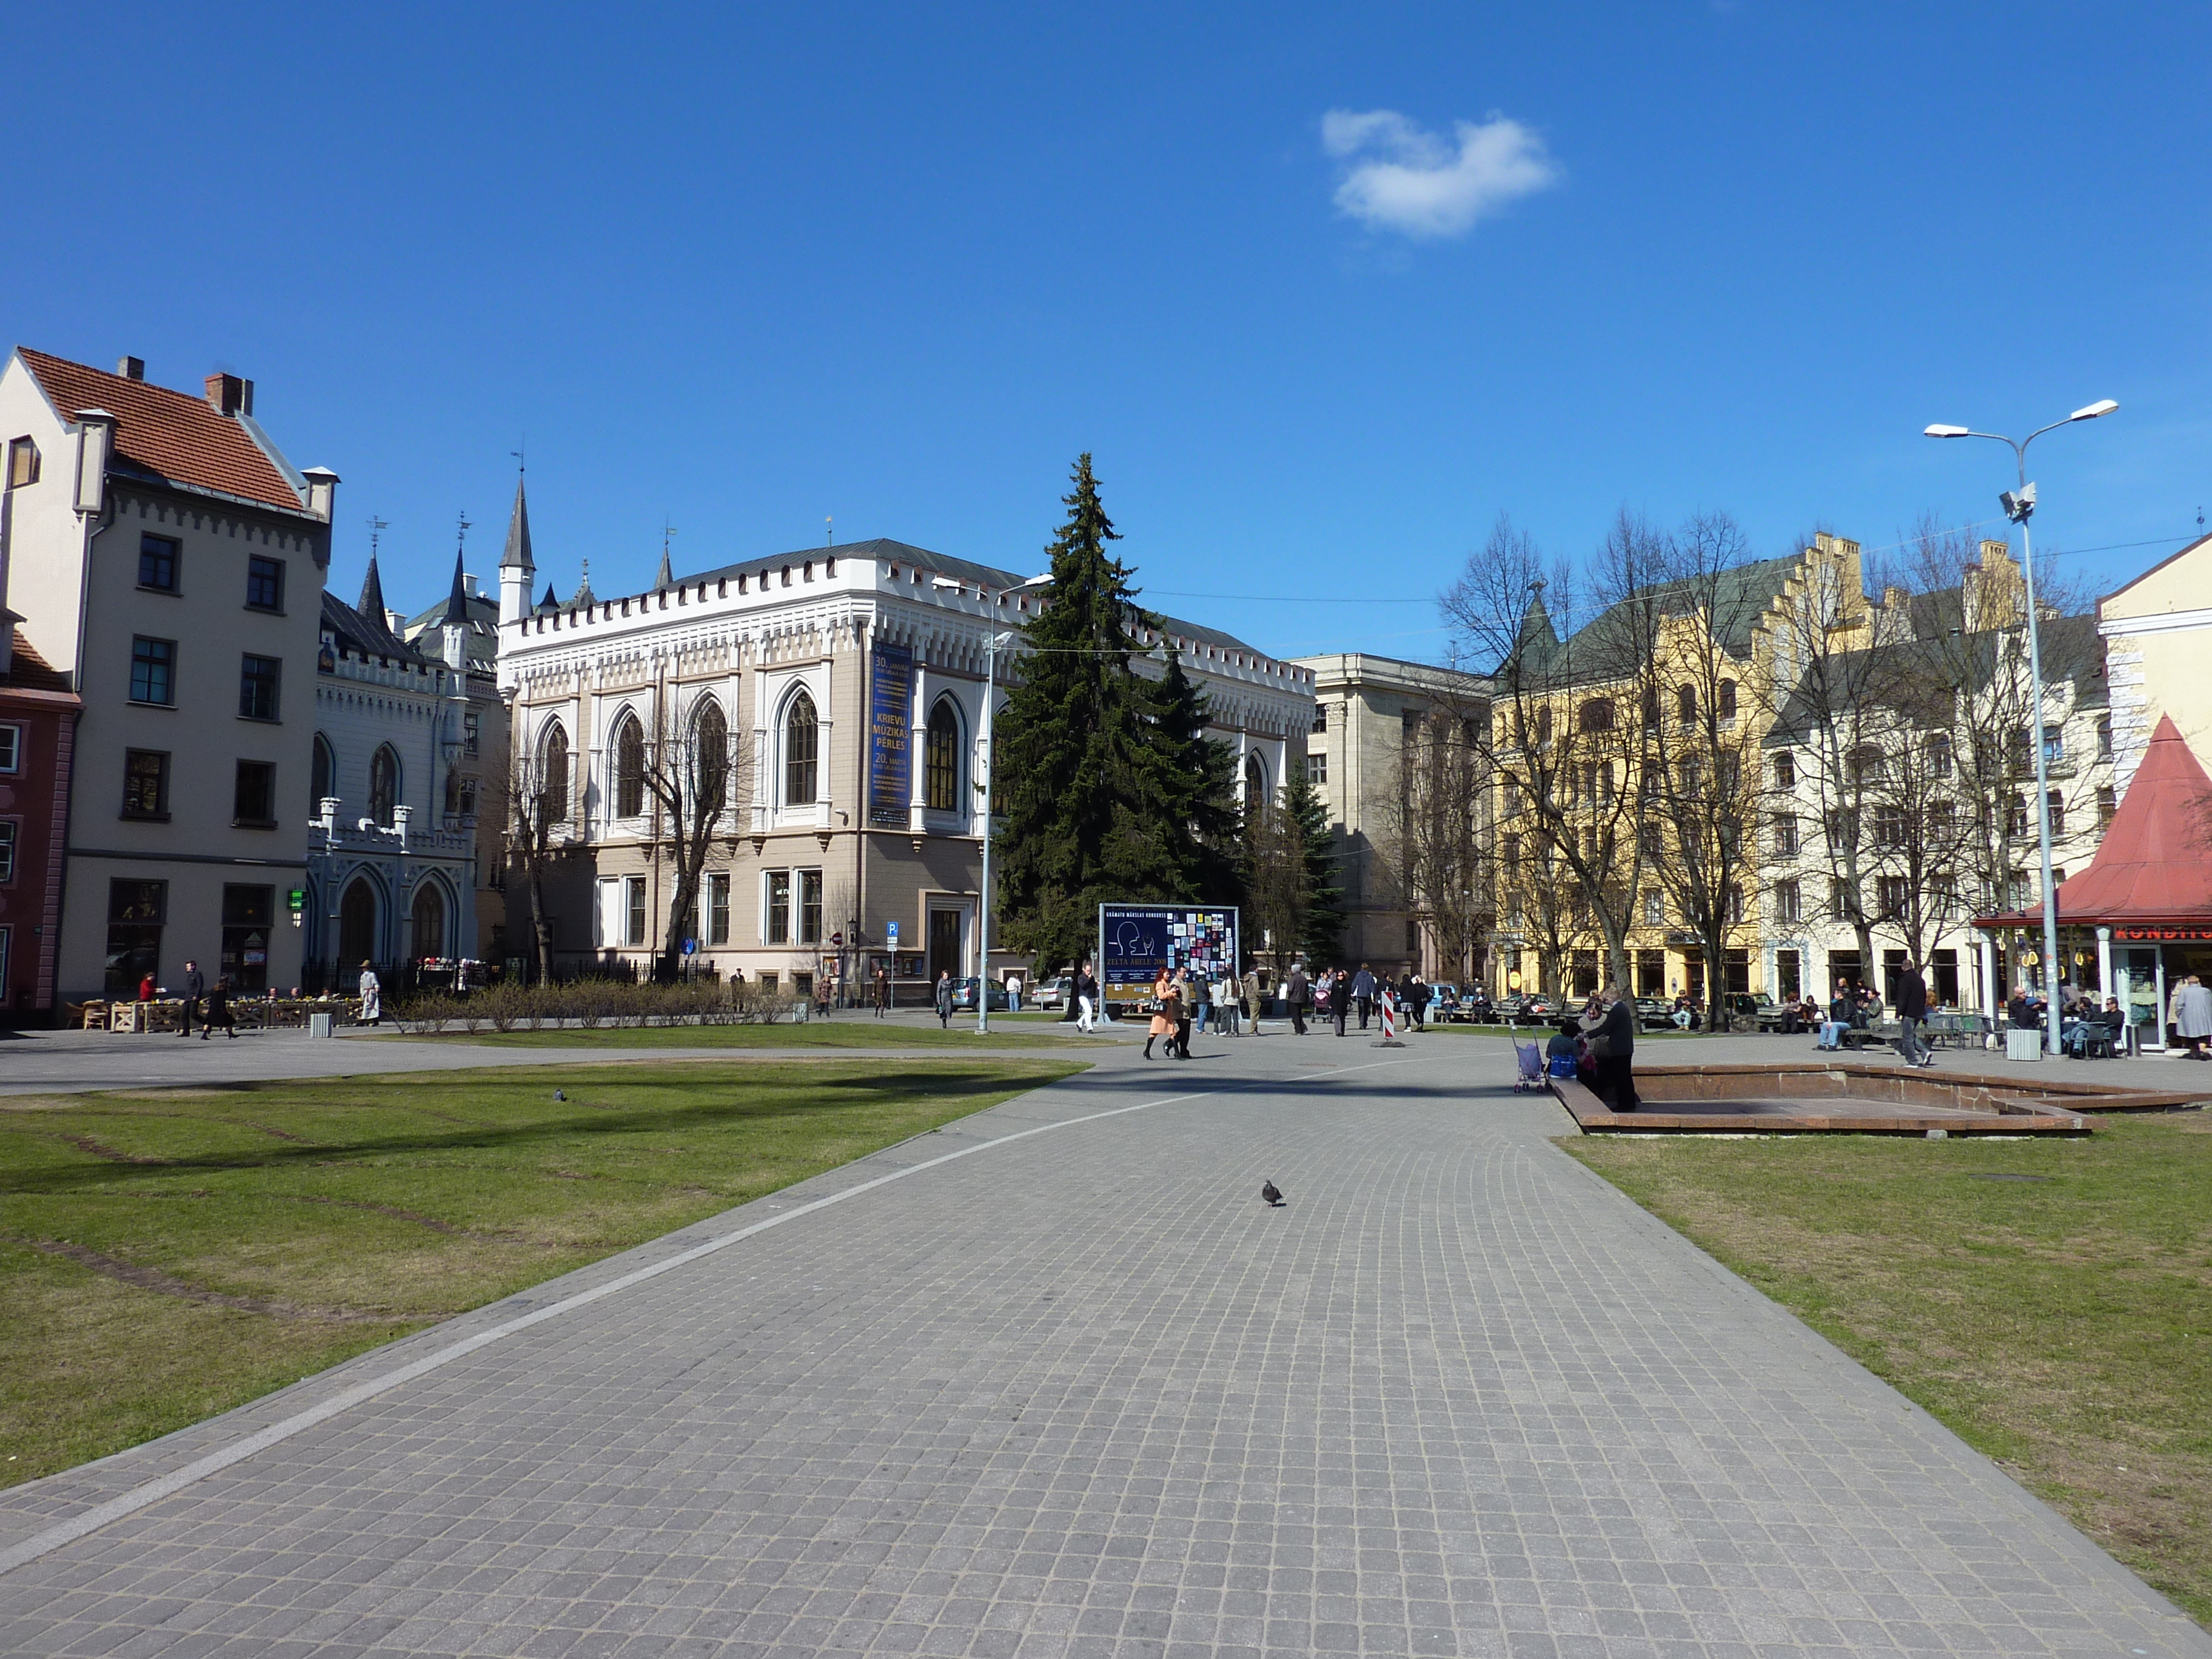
(2154, 868)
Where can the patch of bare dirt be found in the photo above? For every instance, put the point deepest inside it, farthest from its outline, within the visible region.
(152, 1278)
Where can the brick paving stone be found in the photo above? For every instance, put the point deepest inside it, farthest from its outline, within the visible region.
(1080, 1395)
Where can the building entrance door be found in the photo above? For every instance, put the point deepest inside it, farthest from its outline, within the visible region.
(945, 944)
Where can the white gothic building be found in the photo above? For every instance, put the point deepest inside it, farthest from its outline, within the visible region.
(851, 679)
(392, 865)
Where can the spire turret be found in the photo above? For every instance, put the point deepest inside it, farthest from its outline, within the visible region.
(584, 587)
(517, 555)
(372, 594)
(516, 569)
(457, 602)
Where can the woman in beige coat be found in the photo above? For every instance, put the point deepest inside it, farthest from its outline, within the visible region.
(1165, 1013)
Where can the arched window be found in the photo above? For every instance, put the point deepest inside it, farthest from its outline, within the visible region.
(710, 756)
(553, 776)
(1652, 707)
(1728, 700)
(1685, 705)
(384, 785)
(1597, 715)
(357, 925)
(802, 742)
(323, 777)
(430, 921)
(1256, 784)
(940, 775)
(630, 768)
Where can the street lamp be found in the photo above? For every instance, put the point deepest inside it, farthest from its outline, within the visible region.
(2018, 506)
(983, 903)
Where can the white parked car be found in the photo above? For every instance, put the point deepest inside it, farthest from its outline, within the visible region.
(1055, 993)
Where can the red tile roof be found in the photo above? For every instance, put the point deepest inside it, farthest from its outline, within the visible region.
(29, 670)
(171, 435)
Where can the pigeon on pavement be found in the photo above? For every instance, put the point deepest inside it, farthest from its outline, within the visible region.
(1268, 1192)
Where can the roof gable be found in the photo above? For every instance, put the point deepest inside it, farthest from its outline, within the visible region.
(168, 436)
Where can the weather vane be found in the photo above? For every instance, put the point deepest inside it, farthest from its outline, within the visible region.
(465, 527)
(520, 464)
(377, 527)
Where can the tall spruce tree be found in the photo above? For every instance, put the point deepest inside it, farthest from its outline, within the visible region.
(1069, 743)
(1322, 935)
(1189, 793)
(1111, 792)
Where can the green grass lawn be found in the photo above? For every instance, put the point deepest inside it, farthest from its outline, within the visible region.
(166, 1255)
(856, 1030)
(2062, 1324)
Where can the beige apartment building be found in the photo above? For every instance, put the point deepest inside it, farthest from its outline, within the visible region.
(1371, 715)
(168, 560)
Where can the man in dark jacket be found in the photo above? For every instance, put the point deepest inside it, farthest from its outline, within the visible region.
(1363, 994)
(1296, 993)
(1616, 1082)
(1911, 1009)
(194, 988)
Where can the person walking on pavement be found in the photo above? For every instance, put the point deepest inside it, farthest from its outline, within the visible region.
(218, 1012)
(1185, 1007)
(945, 999)
(1362, 993)
(883, 989)
(1166, 1015)
(1086, 998)
(1201, 995)
(1256, 997)
(1228, 1001)
(1911, 1009)
(194, 988)
(372, 996)
(1339, 997)
(1416, 1000)
(1295, 994)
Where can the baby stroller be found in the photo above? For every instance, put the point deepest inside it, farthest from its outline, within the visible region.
(1531, 1074)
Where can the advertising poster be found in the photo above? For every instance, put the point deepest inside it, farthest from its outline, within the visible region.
(890, 759)
(1135, 941)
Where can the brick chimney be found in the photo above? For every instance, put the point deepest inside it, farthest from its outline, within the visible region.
(130, 368)
(229, 395)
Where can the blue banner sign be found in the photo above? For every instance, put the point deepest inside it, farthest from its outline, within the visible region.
(1136, 941)
(891, 719)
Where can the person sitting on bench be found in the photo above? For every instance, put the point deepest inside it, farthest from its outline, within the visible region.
(1839, 1020)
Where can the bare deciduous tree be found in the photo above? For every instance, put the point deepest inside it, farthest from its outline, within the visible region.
(537, 805)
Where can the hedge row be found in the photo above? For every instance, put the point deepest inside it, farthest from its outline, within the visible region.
(595, 1004)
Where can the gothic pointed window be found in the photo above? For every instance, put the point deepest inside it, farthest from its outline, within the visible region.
(384, 785)
(802, 743)
(553, 776)
(941, 759)
(630, 768)
(710, 756)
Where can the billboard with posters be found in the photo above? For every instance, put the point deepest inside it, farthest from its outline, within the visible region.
(1135, 941)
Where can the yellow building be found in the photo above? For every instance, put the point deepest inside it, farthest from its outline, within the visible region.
(2158, 638)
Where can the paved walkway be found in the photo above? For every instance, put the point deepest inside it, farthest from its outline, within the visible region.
(66, 1062)
(1053, 1381)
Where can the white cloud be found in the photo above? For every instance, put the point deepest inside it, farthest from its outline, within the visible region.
(1399, 176)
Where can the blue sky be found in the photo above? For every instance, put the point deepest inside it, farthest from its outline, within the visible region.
(748, 267)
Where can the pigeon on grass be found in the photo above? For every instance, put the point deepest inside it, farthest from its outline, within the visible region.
(1271, 1195)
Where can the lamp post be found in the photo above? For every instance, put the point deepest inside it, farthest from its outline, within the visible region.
(2018, 506)
(983, 901)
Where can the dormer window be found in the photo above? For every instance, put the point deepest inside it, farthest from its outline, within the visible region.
(22, 463)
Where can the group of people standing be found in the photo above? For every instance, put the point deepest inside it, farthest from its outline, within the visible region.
(1342, 992)
(1598, 1046)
